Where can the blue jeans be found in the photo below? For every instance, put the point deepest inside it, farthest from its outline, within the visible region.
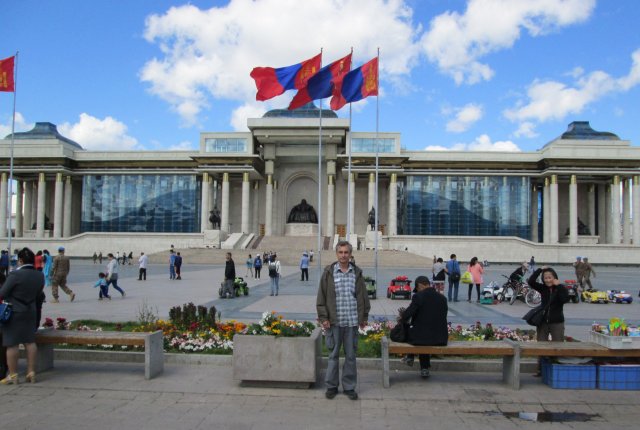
(172, 272)
(104, 291)
(347, 337)
(114, 282)
(453, 288)
(275, 283)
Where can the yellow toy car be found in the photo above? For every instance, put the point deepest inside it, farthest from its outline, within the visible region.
(595, 296)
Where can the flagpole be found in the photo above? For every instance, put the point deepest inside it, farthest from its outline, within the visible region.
(320, 188)
(349, 196)
(13, 131)
(377, 150)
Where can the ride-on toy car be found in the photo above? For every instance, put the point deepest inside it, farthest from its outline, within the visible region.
(239, 288)
(400, 286)
(572, 289)
(595, 296)
(617, 296)
(371, 287)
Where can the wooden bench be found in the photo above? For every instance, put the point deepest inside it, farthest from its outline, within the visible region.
(152, 342)
(506, 349)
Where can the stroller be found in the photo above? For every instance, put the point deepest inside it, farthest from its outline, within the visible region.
(240, 288)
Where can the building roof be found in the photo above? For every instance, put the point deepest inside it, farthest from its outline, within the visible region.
(43, 130)
(307, 111)
(581, 130)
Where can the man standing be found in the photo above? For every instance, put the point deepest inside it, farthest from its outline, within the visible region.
(229, 276)
(142, 264)
(453, 270)
(274, 274)
(172, 264)
(61, 267)
(304, 267)
(178, 266)
(343, 306)
(427, 319)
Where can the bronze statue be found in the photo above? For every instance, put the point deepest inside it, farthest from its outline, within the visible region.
(303, 213)
(372, 218)
(214, 218)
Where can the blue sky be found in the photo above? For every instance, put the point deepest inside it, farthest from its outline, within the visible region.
(463, 75)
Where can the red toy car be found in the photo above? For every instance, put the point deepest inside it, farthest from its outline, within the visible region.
(400, 286)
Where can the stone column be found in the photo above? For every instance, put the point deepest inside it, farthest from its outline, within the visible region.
(553, 210)
(573, 209)
(545, 211)
(3, 205)
(57, 206)
(591, 207)
(224, 215)
(614, 209)
(534, 213)
(486, 192)
(352, 204)
(246, 193)
(331, 198)
(393, 205)
(635, 202)
(372, 192)
(268, 206)
(204, 204)
(28, 205)
(255, 227)
(42, 192)
(626, 202)
(19, 202)
(68, 200)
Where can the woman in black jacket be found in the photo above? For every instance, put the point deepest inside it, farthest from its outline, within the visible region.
(554, 296)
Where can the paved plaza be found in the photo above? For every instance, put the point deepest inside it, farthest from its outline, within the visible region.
(98, 395)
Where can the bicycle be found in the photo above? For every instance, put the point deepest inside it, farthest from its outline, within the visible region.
(522, 291)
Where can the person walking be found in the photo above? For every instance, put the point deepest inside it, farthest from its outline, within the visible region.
(427, 320)
(304, 267)
(476, 270)
(103, 285)
(142, 267)
(342, 305)
(112, 274)
(4, 263)
(48, 267)
(578, 267)
(178, 266)
(60, 271)
(453, 271)
(95, 258)
(100, 258)
(587, 272)
(274, 274)
(257, 266)
(229, 276)
(249, 264)
(22, 289)
(172, 264)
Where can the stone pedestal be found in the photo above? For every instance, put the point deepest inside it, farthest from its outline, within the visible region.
(370, 240)
(301, 229)
(213, 238)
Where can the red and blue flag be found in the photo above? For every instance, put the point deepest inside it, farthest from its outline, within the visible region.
(323, 83)
(358, 84)
(272, 82)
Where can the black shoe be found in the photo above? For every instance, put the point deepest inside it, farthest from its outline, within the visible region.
(331, 393)
(351, 394)
(424, 373)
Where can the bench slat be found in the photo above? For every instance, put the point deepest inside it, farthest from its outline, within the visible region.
(91, 337)
(573, 349)
(455, 348)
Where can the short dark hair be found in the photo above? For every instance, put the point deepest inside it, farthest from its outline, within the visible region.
(101, 275)
(27, 256)
(422, 280)
(344, 243)
(452, 256)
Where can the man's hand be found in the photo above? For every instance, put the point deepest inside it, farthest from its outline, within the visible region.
(325, 324)
(364, 324)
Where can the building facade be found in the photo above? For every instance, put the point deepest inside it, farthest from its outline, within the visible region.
(576, 191)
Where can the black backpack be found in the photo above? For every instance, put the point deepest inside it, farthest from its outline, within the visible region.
(273, 272)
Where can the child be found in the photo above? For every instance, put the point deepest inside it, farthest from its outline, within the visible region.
(104, 288)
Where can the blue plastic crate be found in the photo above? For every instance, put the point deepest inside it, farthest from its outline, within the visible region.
(572, 376)
(619, 377)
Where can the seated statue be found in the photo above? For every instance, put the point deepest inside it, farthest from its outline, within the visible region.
(303, 213)
(371, 220)
(214, 218)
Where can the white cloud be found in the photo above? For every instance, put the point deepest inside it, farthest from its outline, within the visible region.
(20, 125)
(456, 42)
(208, 54)
(465, 117)
(553, 100)
(436, 148)
(182, 146)
(526, 129)
(248, 110)
(481, 143)
(106, 134)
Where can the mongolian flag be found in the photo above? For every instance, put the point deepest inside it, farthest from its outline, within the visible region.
(7, 83)
(272, 82)
(322, 84)
(357, 85)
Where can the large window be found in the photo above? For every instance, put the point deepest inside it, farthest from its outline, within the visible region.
(227, 144)
(141, 203)
(361, 144)
(465, 206)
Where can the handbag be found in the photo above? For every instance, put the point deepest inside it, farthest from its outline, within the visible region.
(398, 333)
(466, 278)
(536, 316)
(454, 277)
(5, 312)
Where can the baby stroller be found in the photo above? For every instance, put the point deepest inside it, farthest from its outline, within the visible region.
(240, 288)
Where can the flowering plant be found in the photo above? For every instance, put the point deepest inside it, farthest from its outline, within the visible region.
(489, 332)
(272, 324)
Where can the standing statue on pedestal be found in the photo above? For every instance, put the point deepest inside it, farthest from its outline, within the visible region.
(371, 220)
(303, 213)
(214, 218)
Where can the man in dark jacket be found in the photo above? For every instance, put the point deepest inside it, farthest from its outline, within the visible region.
(427, 319)
(229, 276)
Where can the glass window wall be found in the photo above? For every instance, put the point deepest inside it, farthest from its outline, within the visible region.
(228, 144)
(141, 203)
(360, 144)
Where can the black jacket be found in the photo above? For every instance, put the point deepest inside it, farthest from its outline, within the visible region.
(427, 316)
(230, 270)
(558, 296)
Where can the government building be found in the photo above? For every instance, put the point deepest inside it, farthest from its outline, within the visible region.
(576, 195)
